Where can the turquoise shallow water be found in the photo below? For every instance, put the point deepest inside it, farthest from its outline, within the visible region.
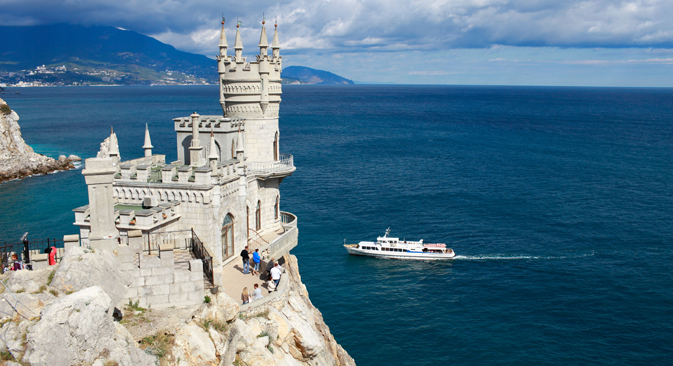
(557, 201)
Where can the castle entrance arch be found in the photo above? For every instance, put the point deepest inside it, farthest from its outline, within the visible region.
(227, 237)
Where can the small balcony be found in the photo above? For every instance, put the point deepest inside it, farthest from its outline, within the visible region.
(280, 168)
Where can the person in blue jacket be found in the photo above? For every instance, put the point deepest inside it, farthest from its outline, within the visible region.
(256, 259)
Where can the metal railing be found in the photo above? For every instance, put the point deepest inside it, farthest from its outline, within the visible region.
(180, 239)
(284, 164)
(201, 253)
(19, 248)
(288, 220)
(255, 241)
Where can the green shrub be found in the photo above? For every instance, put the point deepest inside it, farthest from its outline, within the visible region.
(5, 109)
(206, 299)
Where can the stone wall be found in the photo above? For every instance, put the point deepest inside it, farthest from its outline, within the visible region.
(157, 283)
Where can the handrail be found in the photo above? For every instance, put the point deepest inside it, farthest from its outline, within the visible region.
(201, 252)
(284, 164)
(255, 240)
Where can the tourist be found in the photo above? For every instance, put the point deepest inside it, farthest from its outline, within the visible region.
(270, 285)
(18, 265)
(269, 266)
(275, 276)
(257, 294)
(245, 296)
(256, 259)
(246, 260)
(52, 256)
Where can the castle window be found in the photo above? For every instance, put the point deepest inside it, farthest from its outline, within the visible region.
(275, 147)
(227, 236)
(258, 217)
(276, 208)
(247, 220)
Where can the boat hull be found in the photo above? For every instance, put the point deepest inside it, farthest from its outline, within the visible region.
(354, 250)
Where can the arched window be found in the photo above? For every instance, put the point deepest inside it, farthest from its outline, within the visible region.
(276, 208)
(258, 217)
(275, 147)
(227, 236)
(247, 220)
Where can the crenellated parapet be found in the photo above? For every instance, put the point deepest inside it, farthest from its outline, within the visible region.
(250, 89)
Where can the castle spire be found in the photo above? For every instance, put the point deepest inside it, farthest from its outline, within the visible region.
(114, 146)
(276, 44)
(213, 157)
(195, 148)
(238, 44)
(263, 40)
(223, 41)
(148, 143)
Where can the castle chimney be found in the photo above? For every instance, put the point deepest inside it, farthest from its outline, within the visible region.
(195, 148)
(148, 143)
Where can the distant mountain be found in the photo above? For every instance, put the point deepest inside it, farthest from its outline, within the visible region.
(306, 75)
(100, 55)
(97, 47)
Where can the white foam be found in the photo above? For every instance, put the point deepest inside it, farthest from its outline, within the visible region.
(517, 257)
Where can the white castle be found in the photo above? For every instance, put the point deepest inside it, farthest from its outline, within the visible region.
(219, 196)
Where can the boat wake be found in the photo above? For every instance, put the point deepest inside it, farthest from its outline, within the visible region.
(486, 257)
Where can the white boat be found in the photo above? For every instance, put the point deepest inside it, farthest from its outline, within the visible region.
(387, 247)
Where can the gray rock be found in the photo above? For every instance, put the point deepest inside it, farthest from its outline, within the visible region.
(74, 158)
(79, 327)
(81, 268)
(228, 305)
(39, 276)
(193, 346)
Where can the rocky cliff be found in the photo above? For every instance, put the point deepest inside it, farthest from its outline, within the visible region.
(62, 316)
(17, 159)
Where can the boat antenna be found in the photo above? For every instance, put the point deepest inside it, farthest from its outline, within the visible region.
(387, 231)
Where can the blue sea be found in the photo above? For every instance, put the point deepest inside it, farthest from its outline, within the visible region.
(557, 201)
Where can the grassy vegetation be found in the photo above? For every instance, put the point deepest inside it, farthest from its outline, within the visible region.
(53, 292)
(206, 299)
(158, 344)
(5, 109)
(218, 326)
(51, 277)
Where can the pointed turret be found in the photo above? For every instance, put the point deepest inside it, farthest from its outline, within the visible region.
(240, 149)
(213, 157)
(114, 147)
(275, 46)
(238, 44)
(263, 41)
(223, 41)
(148, 143)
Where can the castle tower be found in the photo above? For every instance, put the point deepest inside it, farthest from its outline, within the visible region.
(148, 143)
(251, 91)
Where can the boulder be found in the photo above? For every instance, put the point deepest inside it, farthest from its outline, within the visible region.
(38, 276)
(229, 305)
(81, 268)
(193, 346)
(79, 327)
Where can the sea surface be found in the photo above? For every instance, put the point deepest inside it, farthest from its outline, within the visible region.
(557, 201)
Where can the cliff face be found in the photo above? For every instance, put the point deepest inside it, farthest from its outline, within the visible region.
(73, 317)
(17, 159)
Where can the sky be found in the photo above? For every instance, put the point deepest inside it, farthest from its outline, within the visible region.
(464, 42)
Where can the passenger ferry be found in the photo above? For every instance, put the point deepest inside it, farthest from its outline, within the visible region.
(387, 247)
